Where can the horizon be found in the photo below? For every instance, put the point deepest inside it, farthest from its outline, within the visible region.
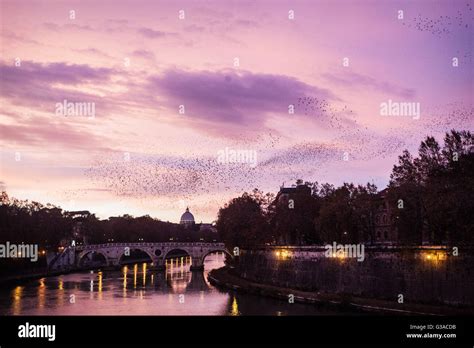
(170, 91)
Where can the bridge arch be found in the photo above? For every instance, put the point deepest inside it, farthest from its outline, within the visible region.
(87, 252)
(135, 248)
(183, 249)
(225, 251)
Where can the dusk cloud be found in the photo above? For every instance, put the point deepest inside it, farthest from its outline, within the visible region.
(153, 34)
(33, 84)
(230, 97)
(354, 79)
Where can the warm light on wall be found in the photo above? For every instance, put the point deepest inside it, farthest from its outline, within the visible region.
(435, 256)
(282, 254)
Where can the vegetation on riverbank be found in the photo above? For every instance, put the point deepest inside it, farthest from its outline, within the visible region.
(429, 195)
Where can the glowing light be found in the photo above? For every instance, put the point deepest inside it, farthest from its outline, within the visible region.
(100, 281)
(135, 270)
(17, 295)
(41, 293)
(442, 256)
(282, 254)
(435, 256)
(125, 271)
(341, 255)
(235, 308)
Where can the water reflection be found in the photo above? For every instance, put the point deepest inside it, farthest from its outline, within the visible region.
(17, 294)
(41, 293)
(235, 307)
(176, 291)
(178, 274)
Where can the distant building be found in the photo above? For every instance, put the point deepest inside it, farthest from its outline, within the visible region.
(77, 229)
(287, 193)
(207, 227)
(204, 231)
(187, 219)
(385, 228)
(287, 233)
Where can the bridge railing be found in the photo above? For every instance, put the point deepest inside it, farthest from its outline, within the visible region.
(147, 244)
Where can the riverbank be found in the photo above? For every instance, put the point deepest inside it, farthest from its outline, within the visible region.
(225, 278)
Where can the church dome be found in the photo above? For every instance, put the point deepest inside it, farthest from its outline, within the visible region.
(187, 218)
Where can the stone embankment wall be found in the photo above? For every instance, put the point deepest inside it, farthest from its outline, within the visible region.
(424, 275)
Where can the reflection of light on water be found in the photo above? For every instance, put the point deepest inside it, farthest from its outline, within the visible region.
(100, 281)
(125, 274)
(177, 273)
(100, 286)
(61, 292)
(135, 271)
(235, 307)
(91, 290)
(144, 273)
(213, 261)
(41, 293)
(17, 295)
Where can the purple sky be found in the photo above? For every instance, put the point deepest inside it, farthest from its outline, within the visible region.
(137, 61)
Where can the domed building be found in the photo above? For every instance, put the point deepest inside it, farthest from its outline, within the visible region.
(187, 219)
(203, 230)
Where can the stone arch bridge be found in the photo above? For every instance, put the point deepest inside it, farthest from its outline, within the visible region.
(71, 257)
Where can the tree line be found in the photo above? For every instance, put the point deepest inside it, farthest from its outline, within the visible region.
(430, 197)
(23, 221)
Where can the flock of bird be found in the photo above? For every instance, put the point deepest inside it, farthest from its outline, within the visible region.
(442, 25)
(187, 175)
(183, 176)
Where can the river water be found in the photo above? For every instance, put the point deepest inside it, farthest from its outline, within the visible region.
(137, 290)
